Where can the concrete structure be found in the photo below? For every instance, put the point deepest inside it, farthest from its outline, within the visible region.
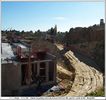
(21, 72)
(101, 22)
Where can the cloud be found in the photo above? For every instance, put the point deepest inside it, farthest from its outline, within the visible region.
(59, 18)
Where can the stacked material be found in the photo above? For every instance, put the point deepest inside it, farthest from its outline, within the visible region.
(87, 78)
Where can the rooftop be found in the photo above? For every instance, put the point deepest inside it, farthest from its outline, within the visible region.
(10, 53)
(7, 53)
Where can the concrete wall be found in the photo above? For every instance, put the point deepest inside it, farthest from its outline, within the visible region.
(10, 76)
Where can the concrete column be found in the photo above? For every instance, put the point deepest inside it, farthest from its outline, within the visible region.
(20, 73)
(55, 71)
(38, 68)
(47, 71)
(34, 66)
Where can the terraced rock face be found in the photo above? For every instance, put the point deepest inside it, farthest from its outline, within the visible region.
(87, 79)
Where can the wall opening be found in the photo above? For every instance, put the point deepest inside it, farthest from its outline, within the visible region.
(34, 72)
(23, 72)
(43, 71)
(51, 71)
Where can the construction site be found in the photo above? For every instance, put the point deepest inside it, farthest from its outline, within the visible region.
(25, 64)
(42, 67)
(52, 49)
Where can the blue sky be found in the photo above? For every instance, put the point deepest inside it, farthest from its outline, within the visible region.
(44, 15)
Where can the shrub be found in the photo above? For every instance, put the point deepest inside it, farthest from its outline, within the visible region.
(99, 92)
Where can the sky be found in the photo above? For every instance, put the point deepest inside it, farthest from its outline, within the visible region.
(44, 15)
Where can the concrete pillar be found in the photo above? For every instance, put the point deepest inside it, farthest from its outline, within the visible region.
(20, 74)
(34, 66)
(38, 68)
(55, 71)
(47, 71)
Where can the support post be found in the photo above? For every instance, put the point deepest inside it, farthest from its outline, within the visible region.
(47, 71)
(38, 68)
